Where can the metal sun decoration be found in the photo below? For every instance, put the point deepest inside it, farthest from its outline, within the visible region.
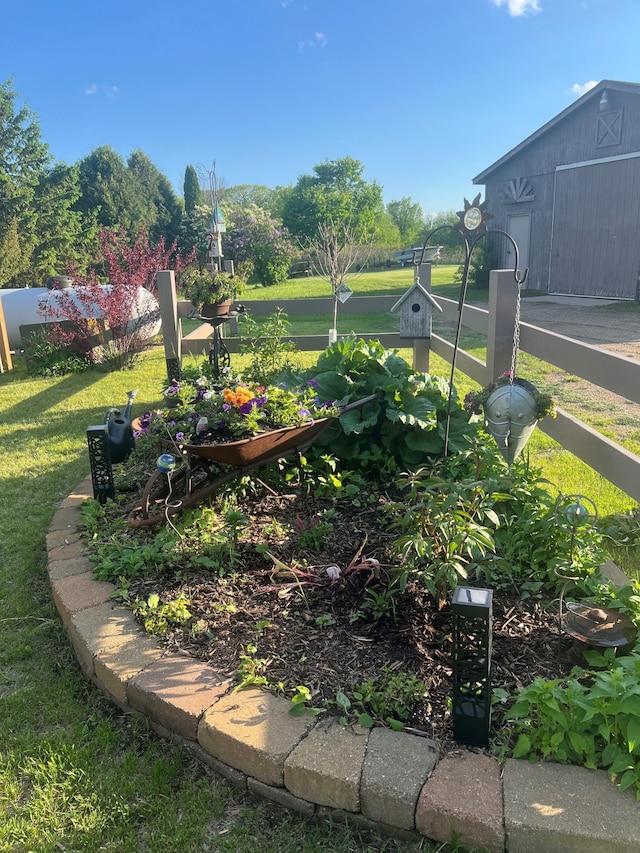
(472, 228)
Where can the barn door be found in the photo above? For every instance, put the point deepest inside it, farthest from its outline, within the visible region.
(595, 250)
(519, 227)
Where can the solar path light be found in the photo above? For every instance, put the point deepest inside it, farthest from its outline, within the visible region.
(472, 623)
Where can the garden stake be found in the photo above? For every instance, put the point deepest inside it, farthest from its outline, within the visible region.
(471, 228)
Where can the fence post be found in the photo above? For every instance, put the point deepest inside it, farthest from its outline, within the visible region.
(503, 298)
(421, 346)
(171, 323)
(5, 352)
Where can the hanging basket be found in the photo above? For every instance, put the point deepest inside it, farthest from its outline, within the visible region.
(511, 416)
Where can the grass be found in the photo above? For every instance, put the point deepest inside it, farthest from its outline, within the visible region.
(76, 773)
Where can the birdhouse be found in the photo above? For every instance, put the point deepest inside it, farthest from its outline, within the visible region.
(415, 309)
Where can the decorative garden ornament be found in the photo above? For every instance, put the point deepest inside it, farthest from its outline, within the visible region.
(120, 431)
(511, 416)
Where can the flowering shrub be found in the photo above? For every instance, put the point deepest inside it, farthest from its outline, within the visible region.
(113, 323)
(259, 239)
(475, 401)
(199, 413)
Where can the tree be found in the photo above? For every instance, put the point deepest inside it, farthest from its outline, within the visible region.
(336, 255)
(191, 189)
(409, 219)
(447, 237)
(162, 211)
(107, 191)
(336, 193)
(63, 237)
(255, 237)
(244, 195)
(24, 158)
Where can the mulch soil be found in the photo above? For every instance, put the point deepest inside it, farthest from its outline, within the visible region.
(283, 610)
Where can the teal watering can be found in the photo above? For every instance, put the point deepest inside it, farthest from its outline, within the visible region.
(119, 430)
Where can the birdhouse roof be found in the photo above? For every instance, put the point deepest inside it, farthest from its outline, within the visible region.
(411, 294)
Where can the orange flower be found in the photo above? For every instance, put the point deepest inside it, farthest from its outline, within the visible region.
(238, 397)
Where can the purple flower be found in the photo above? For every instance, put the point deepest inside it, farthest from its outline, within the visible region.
(225, 407)
(179, 436)
(304, 413)
(246, 408)
(313, 383)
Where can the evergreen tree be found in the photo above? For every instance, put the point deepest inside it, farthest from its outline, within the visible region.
(24, 158)
(162, 211)
(191, 189)
(108, 193)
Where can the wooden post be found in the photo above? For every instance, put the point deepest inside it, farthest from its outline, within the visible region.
(5, 352)
(421, 346)
(503, 298)
(171, 323)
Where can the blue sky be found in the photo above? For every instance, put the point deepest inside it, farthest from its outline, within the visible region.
(425, 94)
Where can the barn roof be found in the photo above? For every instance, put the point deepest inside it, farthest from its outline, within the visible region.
(596, 92)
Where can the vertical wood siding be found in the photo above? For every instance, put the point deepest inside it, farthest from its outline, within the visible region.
(598, 213)
(595, 248)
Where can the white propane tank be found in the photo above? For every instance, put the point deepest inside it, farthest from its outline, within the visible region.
(25, 306)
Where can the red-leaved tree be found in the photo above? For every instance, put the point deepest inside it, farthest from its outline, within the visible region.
(111, 322)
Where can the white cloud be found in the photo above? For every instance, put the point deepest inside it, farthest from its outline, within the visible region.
(581, 88)
(107, 91)
(519, 7)
(318, 40)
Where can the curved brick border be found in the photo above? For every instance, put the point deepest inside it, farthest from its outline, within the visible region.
(387, 781)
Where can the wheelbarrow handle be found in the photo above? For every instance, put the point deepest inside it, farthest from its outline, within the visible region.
(358, 403)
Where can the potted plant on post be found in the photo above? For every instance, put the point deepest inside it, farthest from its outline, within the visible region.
(512, 408)
(212, 293)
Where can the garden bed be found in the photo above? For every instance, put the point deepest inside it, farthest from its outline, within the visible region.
(266, 610)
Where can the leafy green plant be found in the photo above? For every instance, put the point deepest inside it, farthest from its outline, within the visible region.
(46, 358)
(251, 669)
(446, 530)
(204, 288)
(301, 703)
(401, 428)
(264, 346)
(388, 699)
(312, 536)
(159, 617)
(592, 718)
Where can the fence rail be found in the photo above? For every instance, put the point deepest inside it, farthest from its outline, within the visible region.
(617, 374)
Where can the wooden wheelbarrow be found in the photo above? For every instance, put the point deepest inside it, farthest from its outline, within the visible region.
(166, 494)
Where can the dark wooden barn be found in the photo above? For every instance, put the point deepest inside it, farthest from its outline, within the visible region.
(569, 195)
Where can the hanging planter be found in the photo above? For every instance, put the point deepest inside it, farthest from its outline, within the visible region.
(512, 409)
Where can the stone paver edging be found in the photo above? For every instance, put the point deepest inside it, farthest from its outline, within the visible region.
(387, 781)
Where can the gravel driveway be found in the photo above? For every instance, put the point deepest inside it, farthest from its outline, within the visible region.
(592, 321)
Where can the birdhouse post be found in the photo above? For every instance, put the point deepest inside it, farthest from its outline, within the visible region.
(415, 309)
